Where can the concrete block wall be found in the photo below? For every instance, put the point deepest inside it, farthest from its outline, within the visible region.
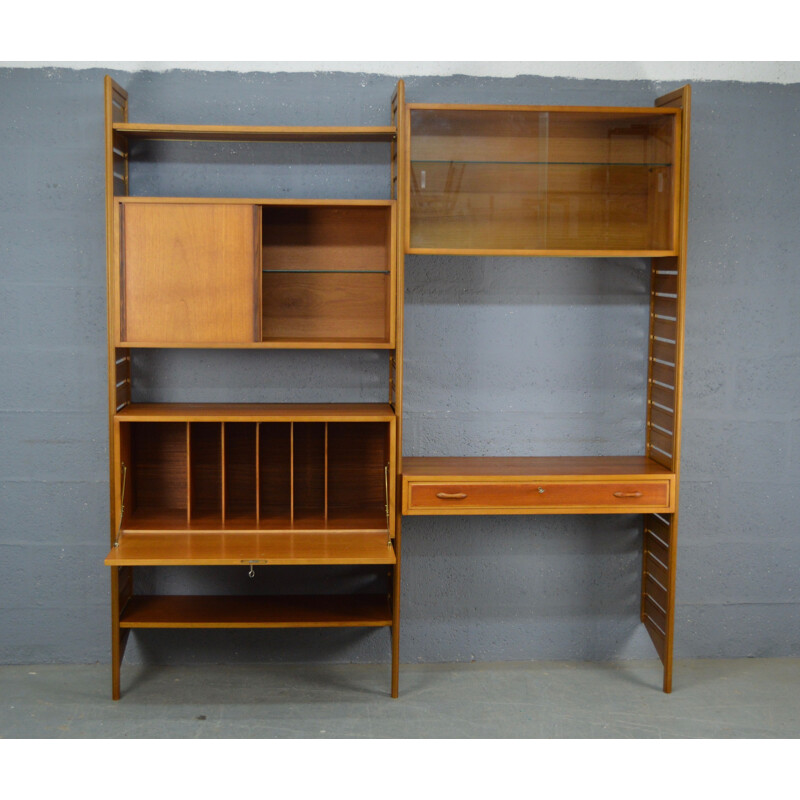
(503, 356)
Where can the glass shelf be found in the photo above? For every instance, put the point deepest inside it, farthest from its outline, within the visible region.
(649, 164)
(328, 271)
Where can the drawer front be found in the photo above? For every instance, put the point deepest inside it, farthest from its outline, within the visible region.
(571, 496)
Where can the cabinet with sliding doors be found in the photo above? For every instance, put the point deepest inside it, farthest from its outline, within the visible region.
(250, 484)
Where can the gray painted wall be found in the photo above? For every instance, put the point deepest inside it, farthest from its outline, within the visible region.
(503, 356)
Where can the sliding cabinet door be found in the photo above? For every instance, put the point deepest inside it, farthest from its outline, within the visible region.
(189, 273)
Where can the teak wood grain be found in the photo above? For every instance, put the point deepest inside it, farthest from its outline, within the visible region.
(249, 484)
(531, 467)
(592, 485)
(258, 471)
(541, 497)
(251, 549)
(259, 611)
(189, 273)
(536, 180)
(278, 519)
(255, 133)
(668, 311)
(320, 484)
(326, 305)
(257, 412)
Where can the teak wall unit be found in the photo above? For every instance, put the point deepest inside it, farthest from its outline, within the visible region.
(565, 181)
(250, 484)
(266, 484)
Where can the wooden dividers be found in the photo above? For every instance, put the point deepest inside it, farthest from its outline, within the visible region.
(257, 476)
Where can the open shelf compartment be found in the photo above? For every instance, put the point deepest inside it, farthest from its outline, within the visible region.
(327, 274)
(258, 611)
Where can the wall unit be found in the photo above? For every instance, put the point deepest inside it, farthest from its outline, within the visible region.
(249, 484)
(564, 181)
(326, 484)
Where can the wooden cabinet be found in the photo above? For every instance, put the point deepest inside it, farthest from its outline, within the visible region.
(255, 273)
(250, 485)
(538, 180)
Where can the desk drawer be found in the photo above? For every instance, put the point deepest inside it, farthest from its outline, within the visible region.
(490, 497)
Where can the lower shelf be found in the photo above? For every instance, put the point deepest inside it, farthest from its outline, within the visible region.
(286, 611)
(175, 522)
(232, 548)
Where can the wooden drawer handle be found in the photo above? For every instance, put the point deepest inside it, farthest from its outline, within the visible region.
(451, 496)
(627, 494)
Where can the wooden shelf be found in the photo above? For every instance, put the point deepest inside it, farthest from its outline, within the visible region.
(311, 343)
(266, 202)
(549, 252)
(530, 468)
(256, 412)
(288, 611)
(255, 133)
(175, 522)
(233, 548)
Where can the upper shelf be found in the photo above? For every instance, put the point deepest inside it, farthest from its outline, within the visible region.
(255, 133)
(530, 467)
(542, 181)
(256, 412)
(546, 163)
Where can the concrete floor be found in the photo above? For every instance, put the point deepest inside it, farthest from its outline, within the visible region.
(735, 698)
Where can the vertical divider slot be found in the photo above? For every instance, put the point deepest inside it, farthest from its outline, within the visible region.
(358, 453)
(156, 473)
(274, 474)
(240, 473)
(309, 472)
(206, 470)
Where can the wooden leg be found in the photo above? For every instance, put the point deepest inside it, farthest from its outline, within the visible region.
(121, 590)
(668, 676)
(119, 639)
(396, 614)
